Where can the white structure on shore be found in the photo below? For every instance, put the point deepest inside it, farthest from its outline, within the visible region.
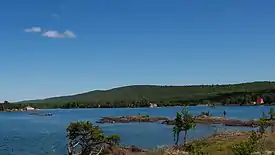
(29, 108)
(153, 105)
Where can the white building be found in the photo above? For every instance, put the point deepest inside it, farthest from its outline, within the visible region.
(153, 105)
(29, 108)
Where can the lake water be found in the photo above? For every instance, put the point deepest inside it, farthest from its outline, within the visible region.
(25, 134)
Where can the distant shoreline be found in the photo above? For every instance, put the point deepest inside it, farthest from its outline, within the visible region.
(192, 105)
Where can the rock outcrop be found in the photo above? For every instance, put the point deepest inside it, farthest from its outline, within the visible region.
(203, 119)
(129, 119)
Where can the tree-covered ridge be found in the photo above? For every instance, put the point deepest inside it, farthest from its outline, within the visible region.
(158, 93)
(143, 95)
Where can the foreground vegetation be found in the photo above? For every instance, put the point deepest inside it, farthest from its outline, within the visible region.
(143, 95)
(225, 143)
(91, 140)
(258, 142)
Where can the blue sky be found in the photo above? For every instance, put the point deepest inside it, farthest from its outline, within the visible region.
(59, 47)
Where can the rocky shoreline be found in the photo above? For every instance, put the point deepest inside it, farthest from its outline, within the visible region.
(120, 150)
(203, 119)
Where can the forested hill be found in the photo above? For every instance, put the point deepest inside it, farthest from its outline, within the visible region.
(232, 93)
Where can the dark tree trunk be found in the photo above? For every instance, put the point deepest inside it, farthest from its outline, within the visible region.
(177, 139)
(185, 137)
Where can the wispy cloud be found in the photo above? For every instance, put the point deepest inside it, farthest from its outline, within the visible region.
(34, 29)
(51, 33)
(69, 34)
(56, 34)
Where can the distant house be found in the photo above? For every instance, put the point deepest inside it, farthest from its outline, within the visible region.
(153, 105)
(29, 108)
(260, 100)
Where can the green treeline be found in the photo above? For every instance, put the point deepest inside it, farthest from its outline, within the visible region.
(143, 95)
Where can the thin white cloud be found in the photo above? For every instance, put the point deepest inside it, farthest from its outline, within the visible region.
(34, 29)
(56, 34)
(51, 33)
(69, 34)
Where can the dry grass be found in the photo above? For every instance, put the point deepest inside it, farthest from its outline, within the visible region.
(219, 144)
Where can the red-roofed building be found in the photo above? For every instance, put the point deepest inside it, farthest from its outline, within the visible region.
(260, 100)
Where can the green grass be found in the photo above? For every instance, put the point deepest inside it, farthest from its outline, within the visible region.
(220, 146)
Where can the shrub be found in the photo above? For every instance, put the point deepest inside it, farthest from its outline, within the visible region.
(249, 146)
(196, 148)
(263, 124)
(89, 138)
(271, 113)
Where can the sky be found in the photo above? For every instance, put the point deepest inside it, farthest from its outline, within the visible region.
(60, 47)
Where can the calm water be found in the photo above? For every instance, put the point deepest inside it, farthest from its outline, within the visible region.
(25, 134)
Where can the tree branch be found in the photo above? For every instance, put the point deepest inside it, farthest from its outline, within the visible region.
(75, 144)
(100, 150)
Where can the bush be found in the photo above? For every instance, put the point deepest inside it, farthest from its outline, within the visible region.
(145, 116)
(249, 146)
(263, 124)
(89, 138)
(196, 148)
(271, 113)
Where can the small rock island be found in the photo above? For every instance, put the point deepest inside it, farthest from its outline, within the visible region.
(205, 119)
(130, 119)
